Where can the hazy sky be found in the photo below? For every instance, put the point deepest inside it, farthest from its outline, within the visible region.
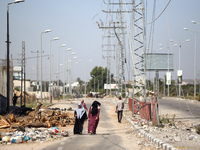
(73, 22)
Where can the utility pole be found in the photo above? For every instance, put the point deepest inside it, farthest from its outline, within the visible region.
(37, 52)
(118, 10)
(23, 75)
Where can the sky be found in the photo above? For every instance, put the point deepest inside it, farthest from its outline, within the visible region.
(74, 22)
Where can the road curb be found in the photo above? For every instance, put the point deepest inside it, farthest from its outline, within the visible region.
(150, 137)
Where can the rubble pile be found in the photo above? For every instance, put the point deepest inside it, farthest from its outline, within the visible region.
(178, 132)
(40, 117)
(32, 135)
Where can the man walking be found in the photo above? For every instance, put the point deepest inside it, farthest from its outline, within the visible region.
(15, 97)
(119, 109)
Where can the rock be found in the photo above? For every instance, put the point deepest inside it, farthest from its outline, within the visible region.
(192, 137)
(177, 139)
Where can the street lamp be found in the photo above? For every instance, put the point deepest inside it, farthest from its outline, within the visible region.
(69, 49)
(46, 31)
(168, 75)
(70, 72)
(179, 44)
(8, 53)
(63, 45)
(94, 82)
(195, 57)
(54, 39)
(85, 76)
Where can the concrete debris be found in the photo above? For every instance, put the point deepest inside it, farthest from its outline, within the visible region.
(192, 137)
(178, 132)
(32, 135)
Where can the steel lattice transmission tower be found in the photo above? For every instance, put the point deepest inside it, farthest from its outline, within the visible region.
(139, 50)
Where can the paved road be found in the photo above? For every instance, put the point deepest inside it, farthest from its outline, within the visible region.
(184, 109)
(97, 142)
(111, 135)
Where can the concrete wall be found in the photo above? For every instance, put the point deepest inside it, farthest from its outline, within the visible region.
(3, 80)
(17, 83)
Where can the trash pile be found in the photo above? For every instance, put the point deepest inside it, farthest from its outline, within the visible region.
(32, 135)
(40, 117)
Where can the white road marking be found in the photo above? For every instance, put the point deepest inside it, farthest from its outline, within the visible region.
(60, 148)
(62, 143)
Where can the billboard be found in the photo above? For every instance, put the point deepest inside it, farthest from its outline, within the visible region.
(110, 86)
(168, 80)
(159, 62)
(179, 75)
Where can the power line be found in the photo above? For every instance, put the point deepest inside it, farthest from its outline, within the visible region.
(160, 13)
(28, 57)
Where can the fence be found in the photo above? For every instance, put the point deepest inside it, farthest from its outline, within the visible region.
(147, 110)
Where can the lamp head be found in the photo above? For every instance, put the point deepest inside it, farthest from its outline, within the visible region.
(69, 49)
(63, 45)
(46, 31)
(193, 22)
(73, 53)
(188, 40)
(74, 57)
(186, 29)
(56, 38)
(18, 1)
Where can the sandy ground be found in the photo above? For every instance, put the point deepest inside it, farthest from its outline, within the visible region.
(131, 139)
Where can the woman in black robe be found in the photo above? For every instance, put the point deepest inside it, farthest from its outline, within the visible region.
(81, 116)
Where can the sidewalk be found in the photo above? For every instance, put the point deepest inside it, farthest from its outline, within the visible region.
(177, 136)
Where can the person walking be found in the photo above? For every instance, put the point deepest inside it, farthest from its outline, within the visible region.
(15, 97)
(119, 109)
(154, 98)
(84, 105)
(93, 117)
(81, 116)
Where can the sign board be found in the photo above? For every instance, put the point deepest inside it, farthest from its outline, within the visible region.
(159, 62)
(179, 76)
(17, 68)
(168, 80)
(110, 86)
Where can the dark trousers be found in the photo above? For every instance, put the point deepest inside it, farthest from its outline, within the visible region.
(14, 102)
(120, 112)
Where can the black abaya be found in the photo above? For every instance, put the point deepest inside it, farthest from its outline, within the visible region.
(78, 126)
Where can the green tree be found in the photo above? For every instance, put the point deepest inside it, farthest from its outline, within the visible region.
(99, 74)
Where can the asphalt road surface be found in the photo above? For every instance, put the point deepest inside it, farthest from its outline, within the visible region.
(183, 109)
(99, 141)
(111, 135)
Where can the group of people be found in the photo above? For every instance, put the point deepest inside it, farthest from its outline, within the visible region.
(81, 116)
(93, 115)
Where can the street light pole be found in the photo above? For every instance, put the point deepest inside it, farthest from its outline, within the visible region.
(58, 94)
(195, 64)
(94, 82)
(8, 53)
(46, 31)
(69, 49)
(57, 38)
(85, 76)
(195, 57)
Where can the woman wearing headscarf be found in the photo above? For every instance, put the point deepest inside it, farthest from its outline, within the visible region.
(93, 117)
(81, 116)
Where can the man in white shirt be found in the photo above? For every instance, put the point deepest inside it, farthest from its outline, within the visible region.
(119, 109)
